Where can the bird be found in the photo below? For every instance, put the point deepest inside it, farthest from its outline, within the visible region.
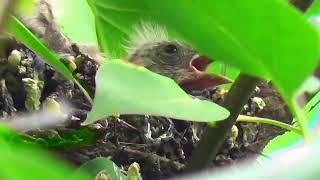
(150, 46)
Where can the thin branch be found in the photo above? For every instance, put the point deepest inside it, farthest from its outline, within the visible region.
(270, 121)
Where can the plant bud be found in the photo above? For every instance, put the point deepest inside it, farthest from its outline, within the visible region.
(14, 59)
(49, 104)
(234, 132)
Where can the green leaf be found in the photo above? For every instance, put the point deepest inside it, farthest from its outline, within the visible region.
(25, 6)
(114, 19)
(22, 161)
(124, 88)
(82, 31)
(247, 35)
(95, 166)
(16, 27)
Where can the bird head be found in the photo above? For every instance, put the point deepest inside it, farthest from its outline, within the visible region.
(151, 47)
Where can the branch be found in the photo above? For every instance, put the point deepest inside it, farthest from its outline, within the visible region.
(214, 136)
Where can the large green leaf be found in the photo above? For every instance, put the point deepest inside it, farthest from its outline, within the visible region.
(114, 19)
(280, 45)
(82, 31)
(263, 38)
(267, 49)
(124, 88)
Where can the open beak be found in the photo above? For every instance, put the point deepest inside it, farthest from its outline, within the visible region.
(201, 79)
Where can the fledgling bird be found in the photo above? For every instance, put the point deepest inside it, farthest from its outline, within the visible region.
(151, 47)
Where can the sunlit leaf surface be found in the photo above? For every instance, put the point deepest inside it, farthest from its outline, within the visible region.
(124, 88)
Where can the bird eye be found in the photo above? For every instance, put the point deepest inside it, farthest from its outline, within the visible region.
(171, 49)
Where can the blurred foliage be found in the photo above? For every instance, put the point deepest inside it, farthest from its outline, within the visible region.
(80, 31)
(281, 46)
(22, 160)
(103, 167)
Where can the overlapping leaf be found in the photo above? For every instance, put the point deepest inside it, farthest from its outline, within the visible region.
(75, 20)
(124, 88)
(247, 35)
(114, 20)
(281, 45)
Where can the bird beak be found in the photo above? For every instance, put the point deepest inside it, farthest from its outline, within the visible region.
(201, 79)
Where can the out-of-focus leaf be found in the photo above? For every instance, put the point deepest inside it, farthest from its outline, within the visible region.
(11, 136)
(282, 46)
(247, 36)
(102, 165)
(20, 161)
(114, 20)
(80, 31)
(124, 88)
(72, 137)
(25, 6)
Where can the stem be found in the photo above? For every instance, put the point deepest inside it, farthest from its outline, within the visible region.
(300, 117)
(269, 121)
(303, 5)
(214, 136)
